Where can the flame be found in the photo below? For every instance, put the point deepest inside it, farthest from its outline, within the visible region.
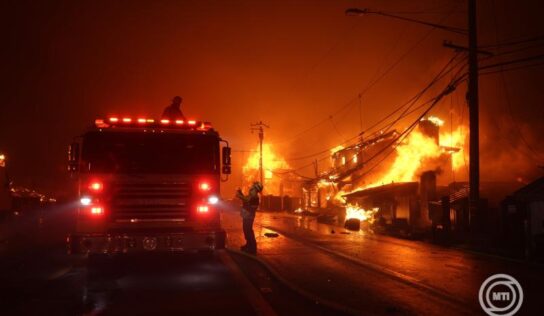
(354, 211)
(410, 156)
(437, 121)
(416, 152)
(336, 149)
(271, 163)
(456, 139)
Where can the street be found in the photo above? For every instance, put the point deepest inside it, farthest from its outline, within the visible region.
(302, 266)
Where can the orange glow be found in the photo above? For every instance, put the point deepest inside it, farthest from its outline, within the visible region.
(179, 122)
(127, 120)
(164, 121)
(271, 163)
(191, 122)
(437, 121)
(150, 121)
(456, 139)
(417, 153)
(114, 119)
(416, 149)
(141, 120)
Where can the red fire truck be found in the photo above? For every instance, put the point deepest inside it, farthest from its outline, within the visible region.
(148, 185)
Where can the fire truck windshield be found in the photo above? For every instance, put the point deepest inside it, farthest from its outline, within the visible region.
(122, 152)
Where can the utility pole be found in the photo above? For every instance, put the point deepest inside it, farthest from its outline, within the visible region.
(473, 105)
(259, 128)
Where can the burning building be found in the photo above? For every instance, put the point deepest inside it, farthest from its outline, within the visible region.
(282, 187)
(384, 174)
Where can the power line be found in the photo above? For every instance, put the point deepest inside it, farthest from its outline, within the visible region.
(372, 83)
(515, 42)
(410, 102)
(510, 62)
(449, 89)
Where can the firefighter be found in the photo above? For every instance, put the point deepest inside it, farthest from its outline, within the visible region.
(173, 111)
(250, 203)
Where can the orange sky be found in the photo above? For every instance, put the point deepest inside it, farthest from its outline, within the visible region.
(289, 63)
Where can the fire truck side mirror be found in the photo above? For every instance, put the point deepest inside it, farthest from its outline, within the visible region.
(73, 157)
(226, 160)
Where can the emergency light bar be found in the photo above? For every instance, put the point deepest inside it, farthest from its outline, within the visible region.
(115, 121)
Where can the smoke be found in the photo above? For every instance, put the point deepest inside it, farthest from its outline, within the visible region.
(509, 150)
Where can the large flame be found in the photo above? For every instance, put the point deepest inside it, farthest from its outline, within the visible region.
(456, 139)
(272, 166)
(417, 152)
(354, 211)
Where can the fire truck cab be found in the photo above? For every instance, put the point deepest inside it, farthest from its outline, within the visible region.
(147, 185)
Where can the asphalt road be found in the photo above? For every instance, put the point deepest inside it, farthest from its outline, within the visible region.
(374, 274)
(38, 277)
(303, 268)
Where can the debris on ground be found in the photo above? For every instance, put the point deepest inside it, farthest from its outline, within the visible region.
(271, 235)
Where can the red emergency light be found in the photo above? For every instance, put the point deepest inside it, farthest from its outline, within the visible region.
(96, 186)
(115, 121)
(203, 209)
(97, 210)
(204, 186)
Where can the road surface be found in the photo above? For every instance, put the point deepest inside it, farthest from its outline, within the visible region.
(302, 268)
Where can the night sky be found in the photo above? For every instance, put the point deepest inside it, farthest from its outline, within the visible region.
(291, 64)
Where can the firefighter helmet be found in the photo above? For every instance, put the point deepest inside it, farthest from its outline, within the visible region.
(258, 186)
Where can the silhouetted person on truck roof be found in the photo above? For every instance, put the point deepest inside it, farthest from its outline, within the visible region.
(173, 111)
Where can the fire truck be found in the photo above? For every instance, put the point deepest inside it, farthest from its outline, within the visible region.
(148, 185)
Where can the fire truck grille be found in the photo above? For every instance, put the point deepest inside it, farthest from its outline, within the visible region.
(149, 202)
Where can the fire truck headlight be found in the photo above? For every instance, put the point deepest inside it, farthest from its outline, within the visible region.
(85, 200)
(213, 199)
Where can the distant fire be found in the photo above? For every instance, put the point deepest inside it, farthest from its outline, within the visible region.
(354, 211)
(273, 166)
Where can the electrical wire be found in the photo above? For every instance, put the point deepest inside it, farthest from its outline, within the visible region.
(372, 83)
(400, 138)
(443, 72)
